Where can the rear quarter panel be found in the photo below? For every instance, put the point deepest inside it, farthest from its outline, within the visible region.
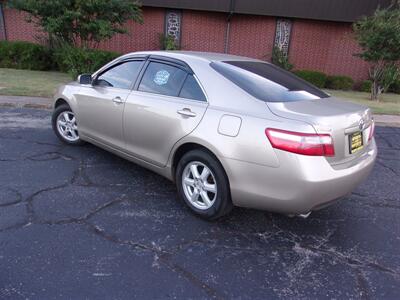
(250, 145)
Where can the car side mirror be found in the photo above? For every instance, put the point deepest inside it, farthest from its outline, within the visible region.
(85, 78)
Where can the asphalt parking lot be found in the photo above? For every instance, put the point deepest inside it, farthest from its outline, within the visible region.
(78, 222)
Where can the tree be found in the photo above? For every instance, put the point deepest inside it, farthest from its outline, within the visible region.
(81, 23)
(379, 38)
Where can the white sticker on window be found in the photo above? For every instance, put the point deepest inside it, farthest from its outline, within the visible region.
(161, 77)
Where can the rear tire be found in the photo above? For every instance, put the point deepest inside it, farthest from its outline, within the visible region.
(203, 185)
(64, 125)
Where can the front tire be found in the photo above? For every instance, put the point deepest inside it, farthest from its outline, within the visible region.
(203, 185)
(65, 126)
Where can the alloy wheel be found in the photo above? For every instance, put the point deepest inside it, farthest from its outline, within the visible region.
(67, 127)
(199, 185)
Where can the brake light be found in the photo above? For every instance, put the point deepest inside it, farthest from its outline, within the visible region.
(301, 143)
(371, 131)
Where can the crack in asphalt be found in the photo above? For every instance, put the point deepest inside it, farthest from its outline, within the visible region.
(19, 198)
(162, 256)
(386, 140)
(356, 262)
(80, 174)
(226, 237)
(379, 162)
(49, 156)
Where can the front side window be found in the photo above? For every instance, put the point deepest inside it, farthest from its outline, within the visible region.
(192, 90)
(267, 82)
(162, 79)
(121, 76)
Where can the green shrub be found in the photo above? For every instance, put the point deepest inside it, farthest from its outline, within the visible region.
(366, 86)
(281, 59)
(395, 87)
(316, 78)
(24, 55)
(167, 42)
(75, 61)
(339, 83)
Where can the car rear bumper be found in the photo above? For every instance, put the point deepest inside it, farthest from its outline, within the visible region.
(299, 185)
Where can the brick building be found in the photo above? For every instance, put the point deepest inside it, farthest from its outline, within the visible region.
(316, 34)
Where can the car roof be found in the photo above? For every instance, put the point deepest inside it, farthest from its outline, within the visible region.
(208, 56)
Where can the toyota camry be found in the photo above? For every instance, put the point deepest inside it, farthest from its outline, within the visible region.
(228, 130)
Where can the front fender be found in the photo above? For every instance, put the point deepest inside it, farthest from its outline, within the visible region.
(67, 93)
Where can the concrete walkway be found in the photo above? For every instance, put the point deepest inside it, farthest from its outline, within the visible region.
(46, 103)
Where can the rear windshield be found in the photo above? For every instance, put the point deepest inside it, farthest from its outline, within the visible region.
(267, 82)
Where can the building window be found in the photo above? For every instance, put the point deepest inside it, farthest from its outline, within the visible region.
(173, 20)
(282, 34)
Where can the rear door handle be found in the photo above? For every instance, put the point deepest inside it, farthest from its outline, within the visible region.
(186, 112)
(118, 100)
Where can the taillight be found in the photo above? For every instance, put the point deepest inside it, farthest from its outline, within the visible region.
(301, 143)
(371, 131)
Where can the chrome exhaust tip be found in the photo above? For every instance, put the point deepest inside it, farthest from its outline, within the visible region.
(304, 216)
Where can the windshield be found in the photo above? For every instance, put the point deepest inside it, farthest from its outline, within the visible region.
(267, 82)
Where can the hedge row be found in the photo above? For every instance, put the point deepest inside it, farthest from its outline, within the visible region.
(322, 80)
(345, 83)
(29, 56)
(23, 55)
(366, 86)
(339, 83)
(75, 61)
(316, 78)
(395, 87)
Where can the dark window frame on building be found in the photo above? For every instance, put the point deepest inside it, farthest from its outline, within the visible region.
(285, 48)
(168, 14)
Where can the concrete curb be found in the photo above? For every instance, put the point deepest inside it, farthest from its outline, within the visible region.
(47, 103)
(26, 102)
(387, 120)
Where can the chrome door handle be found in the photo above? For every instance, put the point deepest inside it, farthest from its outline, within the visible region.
(118, 100)
(186, 112)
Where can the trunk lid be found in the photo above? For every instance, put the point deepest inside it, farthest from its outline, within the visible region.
(342, 119)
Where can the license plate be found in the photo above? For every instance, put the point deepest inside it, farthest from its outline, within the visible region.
(355, 142)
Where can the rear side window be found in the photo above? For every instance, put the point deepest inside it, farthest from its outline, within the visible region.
(267, 82)
(162, 79)
(121, 76)
(192, 90)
